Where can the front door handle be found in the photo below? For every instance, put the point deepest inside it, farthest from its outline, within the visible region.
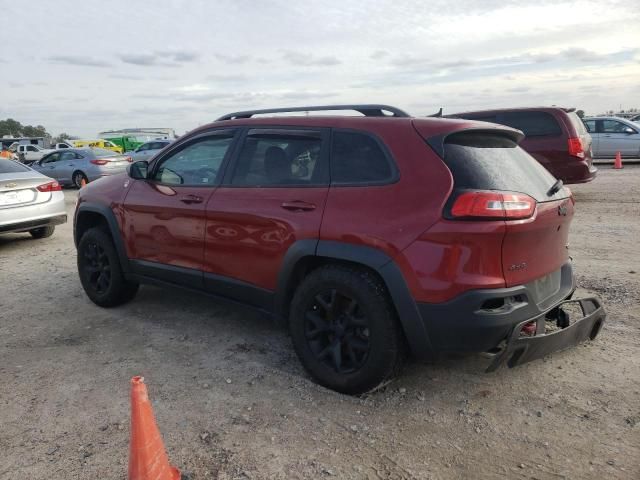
(189, 199)
(298, 206)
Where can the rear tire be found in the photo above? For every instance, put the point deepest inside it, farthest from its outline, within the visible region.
(78, 178)
(100, 272)
(42, 232)
(345, 330)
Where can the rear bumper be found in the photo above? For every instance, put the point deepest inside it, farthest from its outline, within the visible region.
(464, 324)
(521, 347)
(469, 324)
(580, 172)
(31, 224)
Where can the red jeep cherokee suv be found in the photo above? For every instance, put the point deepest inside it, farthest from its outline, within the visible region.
(555, 137)
(370, 235)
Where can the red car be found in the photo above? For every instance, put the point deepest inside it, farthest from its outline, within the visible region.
(371, 236)
(555, 137)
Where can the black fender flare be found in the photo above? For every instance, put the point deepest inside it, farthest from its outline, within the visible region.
(112, 224)
(406, 307)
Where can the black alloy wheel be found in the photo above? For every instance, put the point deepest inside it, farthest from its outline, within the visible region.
(97, 268)
(337, 331)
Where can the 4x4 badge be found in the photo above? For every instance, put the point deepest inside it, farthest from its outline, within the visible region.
(10, 185)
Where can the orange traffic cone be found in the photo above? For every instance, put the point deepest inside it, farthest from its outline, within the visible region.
(147, 456)
(617, 164)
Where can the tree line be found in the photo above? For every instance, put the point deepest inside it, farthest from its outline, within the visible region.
(13, 128)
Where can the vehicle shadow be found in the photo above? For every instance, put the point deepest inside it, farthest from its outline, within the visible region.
(251, 336)
(15, 238)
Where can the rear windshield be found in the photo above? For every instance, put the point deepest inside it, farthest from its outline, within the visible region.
(481, 161)
(532, 124)
(9, 166)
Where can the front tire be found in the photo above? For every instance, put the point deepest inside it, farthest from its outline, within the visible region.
(100, 272)
(42, 232)
(345, 330)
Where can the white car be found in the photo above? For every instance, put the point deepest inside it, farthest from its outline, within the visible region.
(29, 153)
(29, 201)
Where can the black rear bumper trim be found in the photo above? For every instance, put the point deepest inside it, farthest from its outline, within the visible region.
(521, 349)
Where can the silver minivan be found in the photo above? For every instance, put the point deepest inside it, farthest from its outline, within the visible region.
(614, 134)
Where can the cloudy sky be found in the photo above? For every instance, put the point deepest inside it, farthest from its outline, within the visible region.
(85, 66)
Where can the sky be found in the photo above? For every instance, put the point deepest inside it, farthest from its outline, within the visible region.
(82, 67)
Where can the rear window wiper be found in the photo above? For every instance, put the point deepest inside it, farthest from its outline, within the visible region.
(555, 188)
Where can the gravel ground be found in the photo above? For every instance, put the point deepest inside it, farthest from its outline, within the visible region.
(233, 402)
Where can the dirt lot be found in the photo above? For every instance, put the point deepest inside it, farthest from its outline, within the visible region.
(233, 402)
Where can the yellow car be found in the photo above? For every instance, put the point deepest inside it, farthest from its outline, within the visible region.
(99, 143)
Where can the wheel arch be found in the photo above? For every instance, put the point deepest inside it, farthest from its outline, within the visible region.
(93, 215)
(306, 255)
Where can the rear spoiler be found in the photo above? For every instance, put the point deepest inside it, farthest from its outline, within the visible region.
(437, 142)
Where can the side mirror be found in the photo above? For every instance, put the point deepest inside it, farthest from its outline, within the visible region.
(629, 130)
(138, 170)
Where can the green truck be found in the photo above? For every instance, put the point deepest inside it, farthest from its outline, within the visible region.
(128, 143)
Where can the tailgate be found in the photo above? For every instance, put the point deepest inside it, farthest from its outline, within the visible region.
(536, 248)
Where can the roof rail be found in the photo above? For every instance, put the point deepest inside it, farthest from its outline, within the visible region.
(372, 110)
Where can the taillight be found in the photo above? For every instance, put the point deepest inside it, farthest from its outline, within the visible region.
(49, 187)
(99, 162)
(575, 148)
(493, 205)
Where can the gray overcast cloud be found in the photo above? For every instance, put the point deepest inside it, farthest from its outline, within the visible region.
(80, 67)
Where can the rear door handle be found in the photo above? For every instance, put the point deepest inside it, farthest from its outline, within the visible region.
(298, 206)
(189, 199)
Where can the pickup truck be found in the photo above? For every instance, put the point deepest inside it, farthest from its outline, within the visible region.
(61, 145)
(28, 153)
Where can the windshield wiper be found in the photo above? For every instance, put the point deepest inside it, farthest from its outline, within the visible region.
(555, 188)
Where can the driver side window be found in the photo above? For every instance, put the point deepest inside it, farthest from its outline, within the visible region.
(196, 164)
(611, 126)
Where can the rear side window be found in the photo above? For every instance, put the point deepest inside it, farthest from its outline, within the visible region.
(272, 158)
(591, 125)
(357, 158)
(9, 166)
(532, 124)
(480, 161)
